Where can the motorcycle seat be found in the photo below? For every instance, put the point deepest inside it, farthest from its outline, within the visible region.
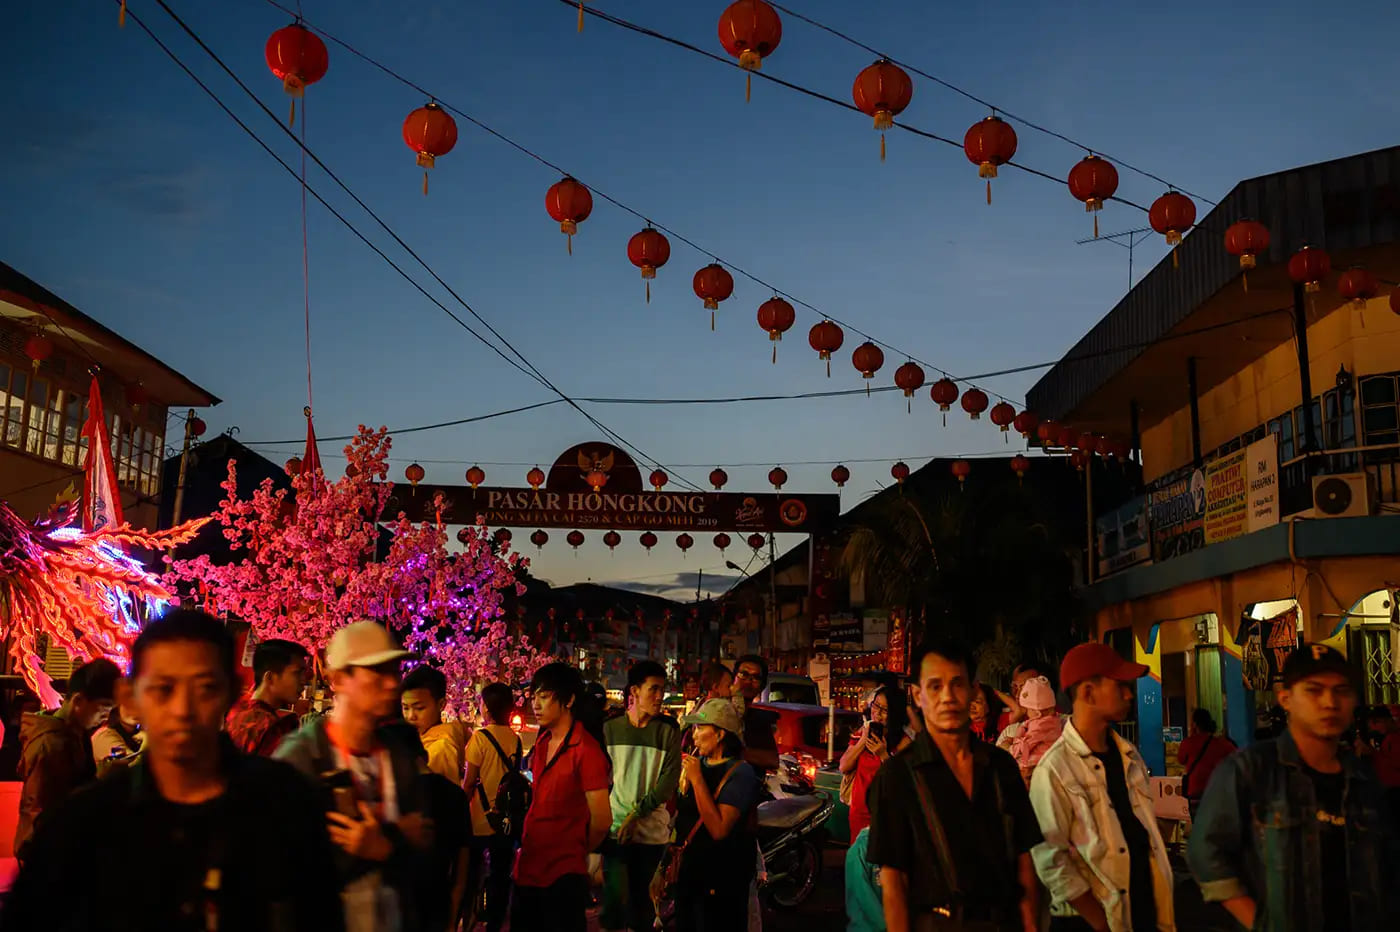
(788, 812)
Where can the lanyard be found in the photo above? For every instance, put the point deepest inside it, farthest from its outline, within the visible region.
(388, 807)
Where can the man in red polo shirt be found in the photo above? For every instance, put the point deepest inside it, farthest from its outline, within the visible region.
(570, 814)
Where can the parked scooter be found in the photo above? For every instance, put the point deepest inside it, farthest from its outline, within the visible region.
(791, 836)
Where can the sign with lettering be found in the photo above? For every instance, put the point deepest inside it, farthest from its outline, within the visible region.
(1124, 538)
(1267, 645)
(1261, 461)
(1177, 503)
(1169, 799)
(1227, 498)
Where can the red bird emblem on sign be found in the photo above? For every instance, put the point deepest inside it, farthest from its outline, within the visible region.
(596, 461)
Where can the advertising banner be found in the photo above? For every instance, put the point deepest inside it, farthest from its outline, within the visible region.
(1227, 497)
(1261, 458)
(1177, 505)
(877, 630)
(1124, 537)
(1267, 644)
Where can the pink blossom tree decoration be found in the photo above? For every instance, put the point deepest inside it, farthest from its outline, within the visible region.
(309, 567)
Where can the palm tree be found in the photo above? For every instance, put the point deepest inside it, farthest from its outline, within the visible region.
(993, 564)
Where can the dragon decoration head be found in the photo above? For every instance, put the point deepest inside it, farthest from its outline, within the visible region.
(76, 587)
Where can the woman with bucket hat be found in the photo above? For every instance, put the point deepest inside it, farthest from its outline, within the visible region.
(714, 823)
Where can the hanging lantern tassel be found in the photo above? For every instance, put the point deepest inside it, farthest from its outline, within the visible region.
(121, 16)
(580, 15)
(712, 321)
(750, 61)
(884, 119)
(426, 160)
(1244, 279)
(569, 228)
(775, 354)
(648, 291)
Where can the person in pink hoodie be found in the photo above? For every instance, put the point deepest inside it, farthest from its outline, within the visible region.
(1042, 728)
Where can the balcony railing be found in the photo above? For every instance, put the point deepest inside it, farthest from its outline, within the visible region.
(1381, 462)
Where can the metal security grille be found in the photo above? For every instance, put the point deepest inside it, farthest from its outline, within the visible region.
(1371, 644)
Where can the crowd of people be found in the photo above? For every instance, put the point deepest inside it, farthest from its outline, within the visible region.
(1040, 819)
(164, 800)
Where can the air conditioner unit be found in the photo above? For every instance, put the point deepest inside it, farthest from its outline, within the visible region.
(1351, 495)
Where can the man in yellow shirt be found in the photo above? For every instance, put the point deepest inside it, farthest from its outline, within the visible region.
(492, 752)
(424, 691)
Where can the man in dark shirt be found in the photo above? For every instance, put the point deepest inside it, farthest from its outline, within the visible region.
(951, 823)
(257, 723)
(760, 745)
(194, 836)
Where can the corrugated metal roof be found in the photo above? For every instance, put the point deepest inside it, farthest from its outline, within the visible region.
(1351, 203)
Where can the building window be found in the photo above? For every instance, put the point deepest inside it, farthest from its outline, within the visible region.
(14, 407)
(1380, 415)
(73, 442)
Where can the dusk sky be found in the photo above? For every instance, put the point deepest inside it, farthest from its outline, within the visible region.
(131, 195)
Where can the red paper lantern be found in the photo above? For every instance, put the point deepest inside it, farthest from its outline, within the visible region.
(596, 479)
(1003, 415)
(713, 284)
(463, 536)
(297, 57)
(718, 477)
(293, 466)
(647, 540)
(38, 348)
(575, 539)
(974, 402)
(569, 203)
(1020, 465)
(868, 358)
(778, 476)
(502, 536)
(1093, 180)
(648, 250)
(826, 338)
(351, 470)
(1087, 443)
(1122, 450)
(1104, 447)
(136, 396)
(659, 479)
(476, 475)
(756, 541)
(539, 539)
(1048, 432)
(612, 539)
(1309, 266)
(989, 144)
(685, 542)
(197, 427)
(961, 469)
(944, 393)
(534, 477)
(430, 132)
(1172, 215)
(1026, 423)
(900, 472)
(882, 91)
(776, 316)
(909, 378)
(722, 541)
(1066, 437)
(1078, 459)
(1358, 286)
(414, 474)
(840, 475)
(1247, 239)
(750, 30)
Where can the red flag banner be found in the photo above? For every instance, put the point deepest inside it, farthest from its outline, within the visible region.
(311, 459)
(102, 504)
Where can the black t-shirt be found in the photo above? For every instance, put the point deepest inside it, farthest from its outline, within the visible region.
(1142, 898)
(448, 808)
(985, 834)
(1332, 833)
(729, 862)
(193, 841)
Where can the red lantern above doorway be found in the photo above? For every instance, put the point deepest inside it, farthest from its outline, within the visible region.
(989, 143)
(430, 132)
(569, 203)
(648, 250)
(297, 57)
(750, 30)
(882, 91)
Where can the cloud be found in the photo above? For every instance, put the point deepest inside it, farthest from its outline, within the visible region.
(680, 586)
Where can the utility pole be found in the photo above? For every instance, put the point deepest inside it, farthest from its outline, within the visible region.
(184, 466)
(773, 592)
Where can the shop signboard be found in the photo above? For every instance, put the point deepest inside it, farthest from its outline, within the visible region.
(877, 630)
(847, 633)
(1177, 504)
(1227, 497)
(1124, 537)
(896, 662)
(1267, 645)
(1261, 460)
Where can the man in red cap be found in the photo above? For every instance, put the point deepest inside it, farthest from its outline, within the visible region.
(1103, 859)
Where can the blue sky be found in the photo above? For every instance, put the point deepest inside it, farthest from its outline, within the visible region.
(132, 196)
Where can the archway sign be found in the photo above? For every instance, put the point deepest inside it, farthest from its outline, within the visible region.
(623, 501)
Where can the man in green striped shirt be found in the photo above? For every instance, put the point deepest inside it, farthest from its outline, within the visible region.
(645, 747)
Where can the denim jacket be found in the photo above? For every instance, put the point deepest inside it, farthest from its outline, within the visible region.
(1255, 835)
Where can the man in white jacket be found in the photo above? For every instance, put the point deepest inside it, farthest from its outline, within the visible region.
(1102, 859)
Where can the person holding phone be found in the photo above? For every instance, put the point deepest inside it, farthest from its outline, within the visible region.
(870, 747)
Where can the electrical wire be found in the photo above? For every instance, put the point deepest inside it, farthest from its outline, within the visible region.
(527, 367)
(986, 103)
(648, 218)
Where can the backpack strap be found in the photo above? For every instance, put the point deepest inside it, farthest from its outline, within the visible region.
(938, 838)
(512, 762)
(700, 821)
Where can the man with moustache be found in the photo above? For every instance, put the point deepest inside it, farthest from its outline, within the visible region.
(952, 826)
(194, 835)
